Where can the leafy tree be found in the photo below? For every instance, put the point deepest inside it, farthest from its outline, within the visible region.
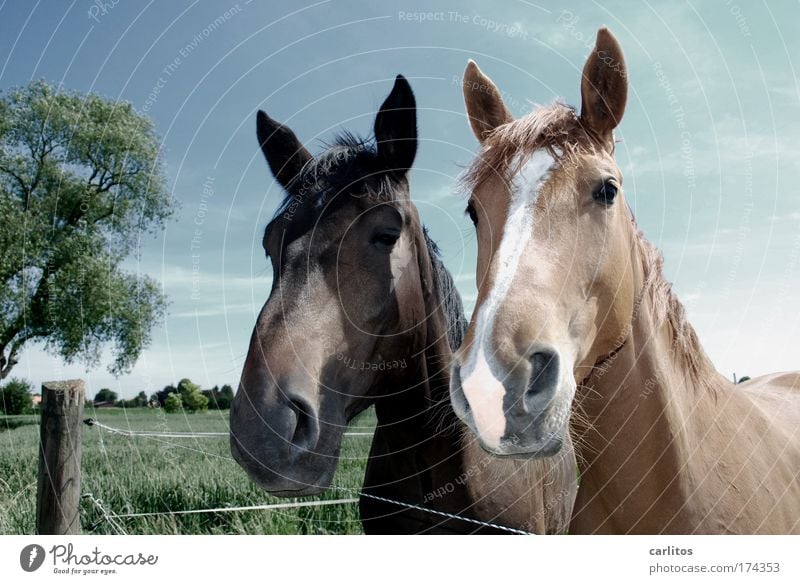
(15, 397)
(191, 397)
(105, 395)
(187, 385)
(173, 403)
(211, 396)
(139, 401)
(80, 181)
(161, 396)
(225, 398)
(219, 399)
(195, 402)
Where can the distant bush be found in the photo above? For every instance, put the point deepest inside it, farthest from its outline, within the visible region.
(15, 397)
(173, 403)
(139, 401)
(192, 399)
(219, 399)
(105, 395)
(161, 396)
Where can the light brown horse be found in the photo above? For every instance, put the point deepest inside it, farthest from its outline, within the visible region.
(576, 326)
(362, 312)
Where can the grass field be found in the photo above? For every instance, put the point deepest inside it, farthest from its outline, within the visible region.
(136, 475)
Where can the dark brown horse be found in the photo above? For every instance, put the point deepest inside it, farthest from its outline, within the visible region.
(362, 312)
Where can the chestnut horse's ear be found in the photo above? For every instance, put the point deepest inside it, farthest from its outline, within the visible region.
(396, 128)
(285, 154)
(485, 107)
(604, 87)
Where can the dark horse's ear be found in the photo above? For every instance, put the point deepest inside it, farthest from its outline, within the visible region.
(285, 154)
(396, 128)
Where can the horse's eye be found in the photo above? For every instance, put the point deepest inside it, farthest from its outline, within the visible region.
(472, 214)
(385, 239)
(606, 193)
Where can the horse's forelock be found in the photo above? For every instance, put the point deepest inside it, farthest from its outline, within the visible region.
(348, 165)
(555, 127)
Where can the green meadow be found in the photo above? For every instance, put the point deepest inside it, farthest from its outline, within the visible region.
(159, 475)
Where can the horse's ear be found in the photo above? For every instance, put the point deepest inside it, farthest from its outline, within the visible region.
(285, 154)
(485, 107)
(396, 128)
(604, 87)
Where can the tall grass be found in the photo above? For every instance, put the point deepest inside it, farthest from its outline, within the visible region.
(145, 475)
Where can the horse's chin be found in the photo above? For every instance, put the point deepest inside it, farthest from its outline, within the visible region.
(296, 484)
(548, 445)
(305, 475)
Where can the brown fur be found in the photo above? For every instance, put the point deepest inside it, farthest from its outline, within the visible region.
(668, 310)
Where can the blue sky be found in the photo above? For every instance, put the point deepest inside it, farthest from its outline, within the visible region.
(709, 151)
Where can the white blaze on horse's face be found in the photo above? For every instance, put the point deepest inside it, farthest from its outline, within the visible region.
(483, 390)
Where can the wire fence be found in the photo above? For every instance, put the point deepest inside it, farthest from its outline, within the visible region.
(166, 434)
(111, 518)
(114, 519)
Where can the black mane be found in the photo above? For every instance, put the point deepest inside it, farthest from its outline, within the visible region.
(450, 298)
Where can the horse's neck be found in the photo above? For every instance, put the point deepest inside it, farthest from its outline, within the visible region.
(416, 453)
(643, 413)
(421, 389)
(444, 317)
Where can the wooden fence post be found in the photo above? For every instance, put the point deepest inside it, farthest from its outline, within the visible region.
(59, 488)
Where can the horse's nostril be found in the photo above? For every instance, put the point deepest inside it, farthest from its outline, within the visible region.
(544, 376)
(306, 429)
(539, 361)
(457, 398)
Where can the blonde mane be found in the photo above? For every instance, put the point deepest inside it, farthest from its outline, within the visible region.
(667, 309)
